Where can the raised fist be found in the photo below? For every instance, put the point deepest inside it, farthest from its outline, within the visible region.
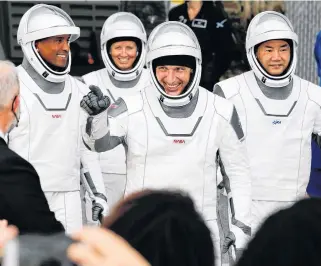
(95, 102)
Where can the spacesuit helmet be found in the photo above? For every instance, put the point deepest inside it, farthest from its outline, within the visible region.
(40, 22)
(267, 26)
(120, 27)
(173, 43)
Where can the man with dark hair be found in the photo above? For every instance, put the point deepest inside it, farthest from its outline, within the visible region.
(290, 237)
(169, 222)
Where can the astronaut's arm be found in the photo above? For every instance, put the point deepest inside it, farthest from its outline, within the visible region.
(92, 179)
(108, 129)
(235, 169)
(91, 176)
(91, 173)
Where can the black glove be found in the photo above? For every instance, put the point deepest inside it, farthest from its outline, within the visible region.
(94, 102)
(97, 212)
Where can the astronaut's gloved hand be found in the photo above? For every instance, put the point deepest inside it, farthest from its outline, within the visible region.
(95, 101)
(100, 209)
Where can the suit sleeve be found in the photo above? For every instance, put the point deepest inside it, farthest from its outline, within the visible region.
(91, 174)
(27, 205)
(237, 179)
(108, 129)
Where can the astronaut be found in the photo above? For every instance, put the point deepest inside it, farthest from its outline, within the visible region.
(123, 49)
(49, 131)
(173, 130)
(278, 112)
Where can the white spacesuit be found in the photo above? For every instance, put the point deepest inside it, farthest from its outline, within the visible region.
(172, 141)
(278, 115)
(49, 131)
(115, 83)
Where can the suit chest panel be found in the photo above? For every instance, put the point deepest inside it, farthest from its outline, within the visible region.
(53, 118)
(276, 129)
(164, 152)
(181, 140)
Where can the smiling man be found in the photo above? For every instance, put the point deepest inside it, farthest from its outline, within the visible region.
(278, 111)
(174, 73)
(173, 130)
(48, 135)
(274, 56)
(55, 51)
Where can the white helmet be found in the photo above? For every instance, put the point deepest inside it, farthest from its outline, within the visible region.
(43, 21)
(170, 39)
(270, 25)
(119, 25)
